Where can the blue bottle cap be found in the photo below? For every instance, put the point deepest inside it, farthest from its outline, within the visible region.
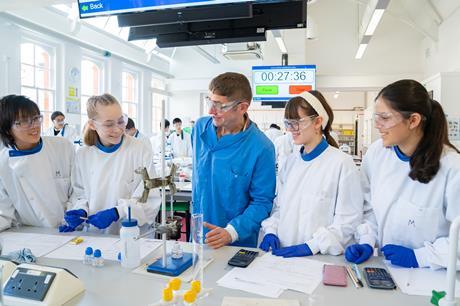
(128, 223)
(119, 256)
(97, 253)
(89, 251)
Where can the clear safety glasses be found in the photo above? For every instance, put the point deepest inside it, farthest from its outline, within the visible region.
(219, 107)
(26, 124)
(110, 125)
(387, 120)
(296, 125)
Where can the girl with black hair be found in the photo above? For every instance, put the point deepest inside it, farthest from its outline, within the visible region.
(411, 181)
(34, 171)
(319, 201)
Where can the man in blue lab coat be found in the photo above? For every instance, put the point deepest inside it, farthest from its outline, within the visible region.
(233, 166)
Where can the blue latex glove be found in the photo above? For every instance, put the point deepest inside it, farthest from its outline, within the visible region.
(104, 218)
(73, 217)
(293, 251)
(400, 256)
(65, 229)
(270, 241)
(23, 255)
(358, 253)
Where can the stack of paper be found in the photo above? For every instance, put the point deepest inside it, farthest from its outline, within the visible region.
(109, 246)
(270, 275)
(420, 281)
(39, 244)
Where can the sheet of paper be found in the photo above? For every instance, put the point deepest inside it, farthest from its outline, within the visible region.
(232, 301)
(234, 280)
(39, 244)
(109, 246)
(187, 276)
(420, 281)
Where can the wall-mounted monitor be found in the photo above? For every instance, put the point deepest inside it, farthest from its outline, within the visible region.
(280, 83)
(95, 8)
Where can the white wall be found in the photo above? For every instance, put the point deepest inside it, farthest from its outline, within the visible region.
(69, 51)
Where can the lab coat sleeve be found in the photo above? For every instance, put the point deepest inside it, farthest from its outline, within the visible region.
(78, 199)
(261, 194)
(436, 254)
(347, 215)
(145, 213)
(270, 225)
(189, 145)
(6, 208)
(366, 233)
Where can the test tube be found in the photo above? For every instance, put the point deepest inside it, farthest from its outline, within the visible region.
(197, 242)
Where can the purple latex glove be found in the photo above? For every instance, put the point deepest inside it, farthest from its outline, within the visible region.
(400, 256)
(293, 251)
(104, 218)
(358, 253)
(270, 241)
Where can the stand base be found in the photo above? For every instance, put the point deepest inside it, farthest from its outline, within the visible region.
(174, 267)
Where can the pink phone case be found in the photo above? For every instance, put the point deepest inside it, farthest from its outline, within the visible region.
(334, 275)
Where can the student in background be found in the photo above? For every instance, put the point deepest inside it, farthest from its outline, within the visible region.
(180, 141)
(35, 171)
(60, 128)
(132, 131)
(104, 179)
(411, 181)
(156, 139)
(273, 132)
(319, 201)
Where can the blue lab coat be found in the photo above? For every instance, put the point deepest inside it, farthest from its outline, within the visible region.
(234, 178)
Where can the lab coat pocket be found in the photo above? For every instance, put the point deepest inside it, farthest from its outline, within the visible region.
(411, 225)
(239, 186)
(62, 188)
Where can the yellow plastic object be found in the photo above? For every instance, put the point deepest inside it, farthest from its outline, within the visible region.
(167, 294)
(77, 240)
(196, 286)
(175, 283)
(190, 296)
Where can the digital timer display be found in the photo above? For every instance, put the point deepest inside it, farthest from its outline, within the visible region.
(280, 83)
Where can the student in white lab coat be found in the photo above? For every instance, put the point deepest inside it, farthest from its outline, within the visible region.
(319, 201)
(181, 143)
(104, 180)
(60, 128)
(411, 181)
(156, 140)
(273, 132)
(34, 171)
(132, 131)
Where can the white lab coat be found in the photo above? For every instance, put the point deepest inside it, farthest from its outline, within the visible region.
(273, 134)
(319, 202)
(284, 146)
(181, 147)
(155, 140)
(399, 210)
(144, 139)
(104, 180)
(66, 132)
(35, 188)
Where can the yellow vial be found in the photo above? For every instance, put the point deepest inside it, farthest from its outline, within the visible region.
(175, 283)
(167, 294)
(196, 286)
(190, 296)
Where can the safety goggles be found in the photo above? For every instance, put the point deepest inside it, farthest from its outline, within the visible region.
(220, 107)
(296, 125)
(387, 120)
(29, 123)
(110, 125)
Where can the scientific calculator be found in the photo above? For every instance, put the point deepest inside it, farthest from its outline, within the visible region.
(379, 278)
(243, 258)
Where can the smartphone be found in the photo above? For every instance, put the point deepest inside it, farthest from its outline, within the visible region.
(334, 275)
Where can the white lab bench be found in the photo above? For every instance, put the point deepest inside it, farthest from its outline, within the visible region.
(113, 285)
